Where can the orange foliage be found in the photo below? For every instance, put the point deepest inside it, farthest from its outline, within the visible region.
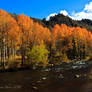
(64, 35)
(10, 29)
(40, 34)
(25, 25)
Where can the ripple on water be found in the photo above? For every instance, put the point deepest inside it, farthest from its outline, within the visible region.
(10, 86)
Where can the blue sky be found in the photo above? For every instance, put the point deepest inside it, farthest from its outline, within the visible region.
(43, 8)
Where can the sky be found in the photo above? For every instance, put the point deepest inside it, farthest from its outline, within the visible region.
(76, 9)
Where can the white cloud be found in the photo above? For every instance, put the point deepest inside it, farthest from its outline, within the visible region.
(86, 13)
(51, 15)
(64, 12)
(88, 7)
(81, 15)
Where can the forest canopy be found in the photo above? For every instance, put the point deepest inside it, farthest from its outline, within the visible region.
(27, 42)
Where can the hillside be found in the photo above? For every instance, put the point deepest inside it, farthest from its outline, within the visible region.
(61, 19)
(41, 46)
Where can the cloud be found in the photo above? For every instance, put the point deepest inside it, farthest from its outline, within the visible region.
(64, 12)
(81, 15)
(88, 7)
(86, 13)
(51, 15)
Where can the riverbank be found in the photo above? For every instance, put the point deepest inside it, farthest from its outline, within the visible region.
(72, 66)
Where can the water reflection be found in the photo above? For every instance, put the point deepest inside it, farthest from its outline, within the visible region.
(46, 81)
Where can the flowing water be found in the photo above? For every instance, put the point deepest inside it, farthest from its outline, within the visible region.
(46, 81)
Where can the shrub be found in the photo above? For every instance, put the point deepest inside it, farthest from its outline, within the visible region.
(38, 56)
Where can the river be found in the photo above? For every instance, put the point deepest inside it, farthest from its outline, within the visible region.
(46, 81)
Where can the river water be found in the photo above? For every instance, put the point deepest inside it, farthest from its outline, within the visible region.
(46, 81)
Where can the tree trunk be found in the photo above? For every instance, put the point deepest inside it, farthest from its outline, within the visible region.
(14, 53)
(22, 55)
(3, 51)
(8, 53)
(23, 46)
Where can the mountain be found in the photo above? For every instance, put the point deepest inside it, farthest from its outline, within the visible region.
(61, 19)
